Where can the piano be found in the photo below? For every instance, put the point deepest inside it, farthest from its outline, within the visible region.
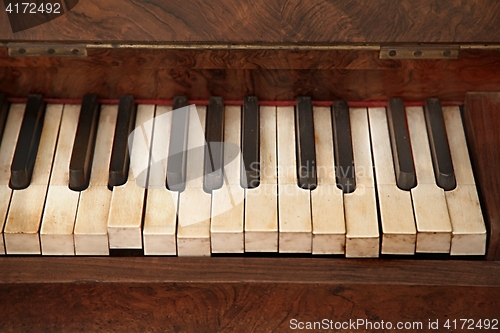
(183, 165)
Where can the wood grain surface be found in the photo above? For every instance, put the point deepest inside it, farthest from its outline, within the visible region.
(269, 74)
(229, 307)
(482, 121)
(261, 21)
(247, 269)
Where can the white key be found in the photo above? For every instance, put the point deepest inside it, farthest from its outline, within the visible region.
(26, 206)
(327, 204)
(58, 222)
(125, 214)
(362, 237)
(193, 227)
(469, 231)
(7, 149)
(396, 211)
(161, 205)
(429, 203)
(91, 227)
(261, 213)
(226, 228)
(295, 230)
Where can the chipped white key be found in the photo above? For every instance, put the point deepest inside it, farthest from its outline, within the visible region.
(396, 211)
(91, 227)
(193, 226)
(362, 237)
(226, 228)
(26, 207)
(125, 214)
(160, 218)
(469, 231)
(261, 212)
(7, 149)
(429, 202)
(327, 204)
(58, 222)
(295, 230)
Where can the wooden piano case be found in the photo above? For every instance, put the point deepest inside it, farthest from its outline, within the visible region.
(276, 50)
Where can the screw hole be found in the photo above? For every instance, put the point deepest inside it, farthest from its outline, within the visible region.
(75, 51)
(447, 53)
(51, 51)
(417, 53)
(392, 53)
(22, 51)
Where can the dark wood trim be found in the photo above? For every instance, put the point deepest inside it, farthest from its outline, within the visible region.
(261, 21)
(270, 75)
(482, 124)
(234, 307)
(347, 59)
(238, 270)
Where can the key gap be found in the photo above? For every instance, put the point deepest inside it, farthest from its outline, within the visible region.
(474, 173)
(145, 196)
(50, 176)
(375, 185)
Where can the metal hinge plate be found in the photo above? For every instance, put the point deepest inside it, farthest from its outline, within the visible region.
(46, 50)
(419, 52)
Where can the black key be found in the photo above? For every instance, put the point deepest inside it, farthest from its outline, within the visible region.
(400, 141)
(304, 139)
(438, 141)
(344, 156)
(176, 163)
(214, 148)
(4, 110)
(250, 143)
(27, 143)
(83, 148)
(120, 159)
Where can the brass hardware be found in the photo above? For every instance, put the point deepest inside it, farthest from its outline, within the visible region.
(46, 50)
(386, 52)
(234, 46)
(419, 52)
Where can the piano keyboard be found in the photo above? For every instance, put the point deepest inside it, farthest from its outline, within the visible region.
(358, 182)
